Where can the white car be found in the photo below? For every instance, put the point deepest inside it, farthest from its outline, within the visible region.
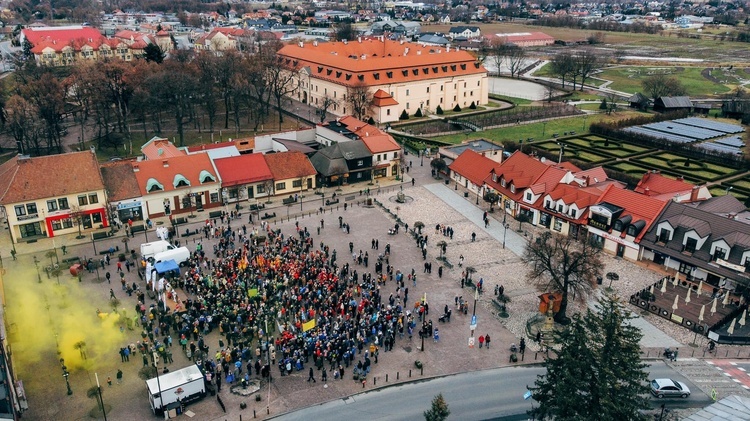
(664, 388)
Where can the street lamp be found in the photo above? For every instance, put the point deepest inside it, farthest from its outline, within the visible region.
(725, 193)
(101, 398)
(505, 227)
(562, 151)
(544, 128)
(584, 121)
(421, 157)
(38, 276)
(65, 375)
(158, 383)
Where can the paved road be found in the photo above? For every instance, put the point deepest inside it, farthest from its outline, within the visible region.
(484, 395)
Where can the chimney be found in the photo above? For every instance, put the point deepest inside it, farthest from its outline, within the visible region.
(345, 41)
(680, 178)
(419, 52)
(315, 43)
(301, 44)
(732, 215)
(647, 191)
(359, 39)
(587, 181)
(406, 51)
(447, 49)
(136, 168)
(165, 163)
(694, 193)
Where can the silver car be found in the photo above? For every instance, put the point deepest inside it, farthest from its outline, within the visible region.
(665, 388)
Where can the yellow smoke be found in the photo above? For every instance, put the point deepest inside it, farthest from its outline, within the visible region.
(46, 319)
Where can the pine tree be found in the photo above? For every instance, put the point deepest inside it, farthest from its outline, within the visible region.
(603, 105)
(439, 110)
(597, 373)
(404, 115)
(438, 411)
(457, 108)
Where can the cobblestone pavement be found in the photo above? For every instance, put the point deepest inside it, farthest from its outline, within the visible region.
(37, 362)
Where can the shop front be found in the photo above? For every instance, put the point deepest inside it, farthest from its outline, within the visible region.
(64, 223)
(132, 210)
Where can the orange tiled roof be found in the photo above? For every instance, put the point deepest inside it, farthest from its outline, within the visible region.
(520, 170)
(654, 184)
(639, 206)
(475, 167)
(376, 140)
(373, 62)
(166, 172)
(25, 179)
(159, 148)
(120, 181)
(286, 165)
(383, 99)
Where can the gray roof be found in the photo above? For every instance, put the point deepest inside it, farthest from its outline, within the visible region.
(459, 29)
(638, 98)
(731, 408)
(676, 101)
(434, 39)
(720, 205)
(684, 218)
(354, 149)
(331, 160)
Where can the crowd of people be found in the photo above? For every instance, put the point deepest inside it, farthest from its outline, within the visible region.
(279, 301)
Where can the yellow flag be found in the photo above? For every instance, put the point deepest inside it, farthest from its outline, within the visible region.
(308, 325)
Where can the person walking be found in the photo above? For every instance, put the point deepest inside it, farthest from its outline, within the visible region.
(311, 376)
(487, 340)
(109, 381)
(324, 376)
(481, 341)
(119, 376)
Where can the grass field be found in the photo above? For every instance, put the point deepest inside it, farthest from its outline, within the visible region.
(538, 130)
(630, 79)
(666, 44)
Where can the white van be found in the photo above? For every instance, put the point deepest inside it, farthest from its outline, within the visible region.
(180, 255)
(150, 249)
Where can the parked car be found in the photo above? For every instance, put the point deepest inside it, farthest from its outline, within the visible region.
(665, 388)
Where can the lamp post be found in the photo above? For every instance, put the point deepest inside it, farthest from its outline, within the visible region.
(421, 156)
(145, 232)
(38, 276)
(101, 398)
(505, 227)
(544, 128)
(727, 191)
(65, 375)
(158, 383)
(585, 116)
(562, 151)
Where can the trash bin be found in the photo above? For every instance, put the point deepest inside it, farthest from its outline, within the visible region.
(466, 194)
(76, 269)
(598, 280)
(447, 182)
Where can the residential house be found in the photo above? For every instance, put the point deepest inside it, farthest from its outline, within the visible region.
(526, 39)
(433, 39)
(173, 184)
(244, 177)
(123, 195)
(464, 32)
(471, 170)
(51, 195)
(414, 76)
(517, 173)
(654, 184)
(343, 163)
(620, 219)
(386, 152)
(398, 27)
(292, 172)
(708, 241)
(222, 39)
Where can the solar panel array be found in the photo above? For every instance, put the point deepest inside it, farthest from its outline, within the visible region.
(720, 148)
(735, 141)
(696, 133)
(657, 134)
(710, 124)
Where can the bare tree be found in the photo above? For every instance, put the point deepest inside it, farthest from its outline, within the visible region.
(325, 103)
(563, 264)
(660, 85)
(515, 56)
(359, 98)
(563, 66)
(587, 61)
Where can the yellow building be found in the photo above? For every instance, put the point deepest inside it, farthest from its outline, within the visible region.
(51, 195)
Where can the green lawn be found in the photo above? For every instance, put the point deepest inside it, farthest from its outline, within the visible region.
(512, 100)
(537, 130)
(742, 183)
(630, 78)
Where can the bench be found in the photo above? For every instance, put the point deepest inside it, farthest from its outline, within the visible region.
(331, 202)
(71, 260)
(96, 236)
(188, 233)
(215, 214)
(179, 221)
(289, 200)
(268, 215)
(256, 207)
(137, 228)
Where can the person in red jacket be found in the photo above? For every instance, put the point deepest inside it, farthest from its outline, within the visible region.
(481, 341)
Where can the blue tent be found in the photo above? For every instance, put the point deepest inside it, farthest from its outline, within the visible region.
(167, 266)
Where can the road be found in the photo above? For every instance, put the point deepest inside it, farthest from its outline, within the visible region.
(483, 395)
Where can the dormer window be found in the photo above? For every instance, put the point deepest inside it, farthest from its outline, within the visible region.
(512, 188)
(573, 213)
(502, 181)
(631, 230)
(690, 245)
(663, 236)
(152, 185)
(719, 253)
(206, 177)
(528, 196)
(180, 181)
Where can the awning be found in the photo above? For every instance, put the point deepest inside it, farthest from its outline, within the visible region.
(167, 266)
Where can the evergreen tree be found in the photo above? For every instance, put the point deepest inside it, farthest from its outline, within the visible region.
(404, 115)
(457, 108)
(603, 105)
(597, 373)
(153, 52)
(418, 113)
(473, 106)
(439, 110)
(438, 411)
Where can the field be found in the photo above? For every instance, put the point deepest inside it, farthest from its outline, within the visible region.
(666, 44)
(630, 78)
